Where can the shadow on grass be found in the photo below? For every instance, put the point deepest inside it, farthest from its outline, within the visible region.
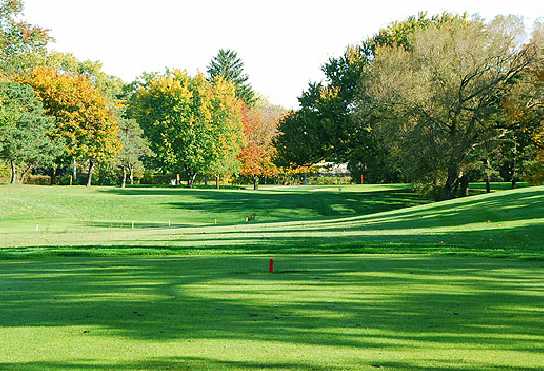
(516, 206)
(282, 205)
(169, 363)
(518, 242)
(400, 305)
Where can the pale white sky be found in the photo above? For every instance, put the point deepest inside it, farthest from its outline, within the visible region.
(282, 42)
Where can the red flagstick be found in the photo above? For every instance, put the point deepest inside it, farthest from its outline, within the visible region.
(271, 266)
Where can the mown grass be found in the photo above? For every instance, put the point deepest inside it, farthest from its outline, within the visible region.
(36, 215)
(497, 186)
(411, 312)
(74, 294)
(350, 219)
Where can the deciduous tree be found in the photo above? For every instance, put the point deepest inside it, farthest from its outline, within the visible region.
(193, 125)
(84, 119)
(260, 129)
(135, 148)
(20, 42)
(438, 98)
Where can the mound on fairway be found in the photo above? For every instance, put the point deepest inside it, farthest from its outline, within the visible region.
(352, 219)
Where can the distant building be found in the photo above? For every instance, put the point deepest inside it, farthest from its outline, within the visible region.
(333, 169)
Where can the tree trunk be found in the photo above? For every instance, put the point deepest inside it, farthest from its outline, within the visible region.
(131, 176)
(53, 177)
(90, 176)
(124, 184)
(463, 186)
(206, 180)
(13, 172)
(513, 180)
(217, 182)
(514, 164)
(191, 180)
(451, 183)
(487, 176)
(255, 183)
(74, 170)
(177, 179)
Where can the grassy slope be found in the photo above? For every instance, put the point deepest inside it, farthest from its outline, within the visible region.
(318, 312)
(63, 215)
(23, 206)
(292, 220)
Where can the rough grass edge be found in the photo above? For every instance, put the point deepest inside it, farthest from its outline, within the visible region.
(348, 249)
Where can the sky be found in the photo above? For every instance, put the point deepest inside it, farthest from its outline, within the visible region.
(283, 43)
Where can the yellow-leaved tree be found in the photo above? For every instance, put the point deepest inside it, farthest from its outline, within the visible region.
(193, 125)
(83, 118)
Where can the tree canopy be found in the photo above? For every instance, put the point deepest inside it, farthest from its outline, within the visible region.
(83, 118)
(21, 43)
(433, 100)
(260, 129)
(384, 106)
(193, 125)
(227, 64)
(438, 100)
(25, 130)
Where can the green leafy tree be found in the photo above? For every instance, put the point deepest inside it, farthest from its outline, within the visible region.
(20, 42)
(193, 125)
(297, 143)
(135, 148)
(325, 127)
(521, 122)
(437, 101)
(228, 65)
(227, 131)
(25, 130)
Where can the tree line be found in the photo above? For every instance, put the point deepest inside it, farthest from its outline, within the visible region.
(436, 101)
(59, 115)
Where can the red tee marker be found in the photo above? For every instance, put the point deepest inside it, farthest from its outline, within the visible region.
(271, 265)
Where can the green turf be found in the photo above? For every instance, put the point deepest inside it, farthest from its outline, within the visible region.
(148, 207)
(351, 219)
(442, 289)
(317, 312)
(498, 186)
(42, 215)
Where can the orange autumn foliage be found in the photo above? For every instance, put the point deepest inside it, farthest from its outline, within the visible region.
(83, 118)
(256, 157)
